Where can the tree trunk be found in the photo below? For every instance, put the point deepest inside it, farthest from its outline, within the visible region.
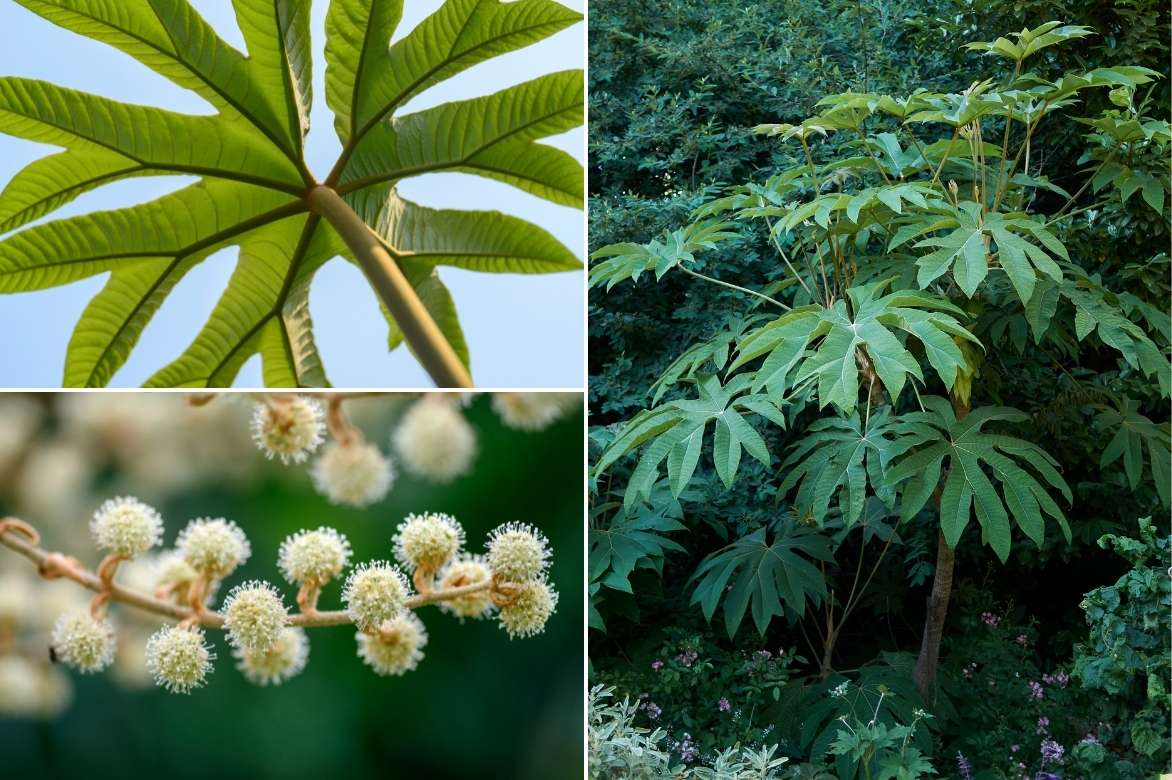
(430, 345)
(924, 675)
(928, 661)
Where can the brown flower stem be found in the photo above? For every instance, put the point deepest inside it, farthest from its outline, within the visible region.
(18, 536)
(307, 599)
(106, 570)
(339, 425)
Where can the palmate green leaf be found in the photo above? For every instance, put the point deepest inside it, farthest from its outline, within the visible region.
(630, 261)
(253, 177)
(843, 455)
(1029, 42)
(1133, 434)
(1099, 312)
(970, 461)
(769, 576)
(676, 431)
(704, 357)
(633, 539)
(965, 251)
(824, 345)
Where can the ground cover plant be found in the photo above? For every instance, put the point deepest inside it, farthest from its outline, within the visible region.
(256, 192)
(924, 362)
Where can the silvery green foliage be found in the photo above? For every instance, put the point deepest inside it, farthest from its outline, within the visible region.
(620, 749)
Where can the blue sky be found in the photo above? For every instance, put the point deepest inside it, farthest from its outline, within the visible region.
(523, 331)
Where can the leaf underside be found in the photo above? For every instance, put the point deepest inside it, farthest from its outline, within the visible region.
(249, 160)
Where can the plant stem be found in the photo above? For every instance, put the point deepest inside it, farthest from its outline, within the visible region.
(419, 329)
(736, 287)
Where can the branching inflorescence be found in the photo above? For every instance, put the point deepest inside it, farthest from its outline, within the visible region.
(268, 640)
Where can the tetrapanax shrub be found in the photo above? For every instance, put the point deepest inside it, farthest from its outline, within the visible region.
(256, 192)
(919, 260)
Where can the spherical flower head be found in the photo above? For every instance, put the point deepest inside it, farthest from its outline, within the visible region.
(354, 474)
(126, 527)
(532, 411)
(467, 570)
(531, 607)
(428, 541)
(84, 642)
(518, 552)
(396, 647)
(314, 557)
(254, 616)
(434, 441)
(375, 592)
(289, 428)
(284, 660)
(213, 546)
(178, 658)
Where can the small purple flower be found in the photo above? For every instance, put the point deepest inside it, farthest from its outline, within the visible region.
(963, 765)
(1051, 751)
(687, 749)
(1047, 776)
(723, 705)
(1014, 748)
(1036, 690)
(687, 658)
(656, 665)
(652, 709)
(1043, 725)
(989, 619)
(1022, 640)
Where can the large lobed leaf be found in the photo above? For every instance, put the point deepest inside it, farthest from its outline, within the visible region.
(769, 576)
(249, 158)
(966, 465)
(825, 345)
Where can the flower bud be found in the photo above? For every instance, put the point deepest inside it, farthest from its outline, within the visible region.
(289, 428)
(254, 616)
(396, 647)
(518, 552)
(428, 541)
(434, 441)
(314, 557)
(354, 474)
(213, 546)
(285, 659)
(84, 642)
(178, 658)
(375, 592)
(532, 411)
(531, 607)
(126, 527)
(464, 571)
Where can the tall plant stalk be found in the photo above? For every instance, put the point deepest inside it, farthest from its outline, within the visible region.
(393, 288)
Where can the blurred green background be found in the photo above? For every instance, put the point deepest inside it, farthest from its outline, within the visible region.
(479, 705)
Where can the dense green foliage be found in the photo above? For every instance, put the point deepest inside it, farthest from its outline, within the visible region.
(933, 308)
